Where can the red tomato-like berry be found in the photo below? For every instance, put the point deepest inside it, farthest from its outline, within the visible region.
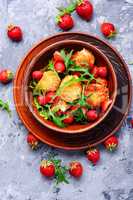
(69, 118)
(6, 76)
(105, 105)
(93, 155)
(111, 143)
(65, 22)
(108, 30)
(59, 66)
(94, 71)
(50, 97)
(37, 75)
(32, 141)
(42, 100)
(85, 10)
(14, 33)
(78, 74)
(47, 168)
(57, 56)
(102, 72)
(76, 169)
(92, 115)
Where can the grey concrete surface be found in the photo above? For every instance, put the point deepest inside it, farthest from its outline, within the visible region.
(112, 178)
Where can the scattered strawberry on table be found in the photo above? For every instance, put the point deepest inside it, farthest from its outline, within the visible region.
(47, 168)
(32, 141)
(76, 169)
(111, 143)
(84, 9)
(64, 19)
(14, 33)
(108, 29)
(6, 76)
(93, 155)
(54, 168)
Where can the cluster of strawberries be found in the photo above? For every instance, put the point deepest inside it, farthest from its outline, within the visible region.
(47, 168)
(84, 9)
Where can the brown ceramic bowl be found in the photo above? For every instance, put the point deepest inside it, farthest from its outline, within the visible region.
(41, 60)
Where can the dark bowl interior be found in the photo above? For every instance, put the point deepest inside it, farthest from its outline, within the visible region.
(42, 59)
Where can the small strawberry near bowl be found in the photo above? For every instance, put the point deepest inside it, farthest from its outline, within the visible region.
(70, 86)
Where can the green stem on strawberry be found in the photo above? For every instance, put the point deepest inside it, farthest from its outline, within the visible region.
(62, 11)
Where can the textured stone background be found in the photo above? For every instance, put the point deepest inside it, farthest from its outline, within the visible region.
(112, 178)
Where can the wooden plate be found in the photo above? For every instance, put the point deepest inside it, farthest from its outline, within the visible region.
(105, 129)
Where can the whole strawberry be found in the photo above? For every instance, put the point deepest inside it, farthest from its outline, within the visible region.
(111, 143)
(76, 169)
(84, 9)
(14, 33)
(32, 141)
(108, 30)
(65, 22)
(47, 168)
(6, 76)
(93, 155)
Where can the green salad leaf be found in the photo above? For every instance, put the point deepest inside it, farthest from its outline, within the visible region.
(60, 171)
(5, 106)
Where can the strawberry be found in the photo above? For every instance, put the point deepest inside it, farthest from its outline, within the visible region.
(93, 155)
(32, 141)
(111, 143)
(108, 30)
(105, 105)
(65, 22)
(69, 118)
(102, 72)
(84, 9)
(6, 76)
(94, 71)
(37, 75)
(42, 100)
(57, 56)
(92, 115)
(76, 169)
(14, 33)
(59, 66)
(47, 168)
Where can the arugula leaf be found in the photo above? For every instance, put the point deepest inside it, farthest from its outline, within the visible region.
(5, 106)
(42, 110)
(51, 65)
(67, 58)
(79, 116)
(56, 119)
(32, 84)
(60, 171)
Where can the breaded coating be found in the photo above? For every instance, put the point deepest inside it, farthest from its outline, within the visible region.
(97, 94)
(70, 88)
(83, 58)
(49, 82)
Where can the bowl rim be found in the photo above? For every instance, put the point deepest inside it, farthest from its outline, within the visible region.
(56, 128)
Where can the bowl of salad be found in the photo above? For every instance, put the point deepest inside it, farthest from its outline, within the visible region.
(70, 86)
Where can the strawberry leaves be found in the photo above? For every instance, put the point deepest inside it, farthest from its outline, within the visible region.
(62, 11)
(60, 171)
